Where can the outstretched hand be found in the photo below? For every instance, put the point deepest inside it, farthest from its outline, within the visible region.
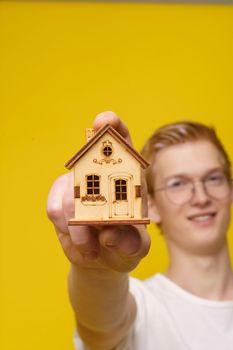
(118, 248)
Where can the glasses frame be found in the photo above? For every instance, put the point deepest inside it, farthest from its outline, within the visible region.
(193, 189)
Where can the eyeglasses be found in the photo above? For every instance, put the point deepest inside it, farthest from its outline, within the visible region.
(180, 190)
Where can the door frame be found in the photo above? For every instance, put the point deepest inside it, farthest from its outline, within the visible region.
(111, 183)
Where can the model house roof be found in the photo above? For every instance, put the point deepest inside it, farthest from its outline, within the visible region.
(106, 129)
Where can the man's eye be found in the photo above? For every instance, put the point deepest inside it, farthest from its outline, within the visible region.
(215, 178)
(177, 183)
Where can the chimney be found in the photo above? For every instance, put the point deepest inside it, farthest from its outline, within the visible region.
(90, 133)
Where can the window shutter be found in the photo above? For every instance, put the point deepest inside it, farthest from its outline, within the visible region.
(76, 191)
(138, 191)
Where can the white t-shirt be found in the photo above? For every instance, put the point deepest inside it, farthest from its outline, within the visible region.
(170, 318)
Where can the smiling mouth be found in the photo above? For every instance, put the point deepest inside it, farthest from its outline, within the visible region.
(202, 217)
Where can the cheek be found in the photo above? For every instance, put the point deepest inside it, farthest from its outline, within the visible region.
(172, 217)
(226, 215)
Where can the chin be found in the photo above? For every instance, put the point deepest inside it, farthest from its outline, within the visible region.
(207, 243)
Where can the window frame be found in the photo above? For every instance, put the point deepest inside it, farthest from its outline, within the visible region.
(122, 193)
(92, 185)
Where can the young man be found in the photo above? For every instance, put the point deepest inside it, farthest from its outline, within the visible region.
(191, 305)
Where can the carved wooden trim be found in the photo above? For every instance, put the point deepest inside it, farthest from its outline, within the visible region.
(107, 161)
(76, 191)
(93, 198)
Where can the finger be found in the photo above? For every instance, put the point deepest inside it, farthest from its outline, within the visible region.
(85, 239)
(72, 252)
(129, 241)
(123, 247)
(68, 204)
(145, 240)
(110, 236)
(54, 204)
(112, 118)
(135, 242)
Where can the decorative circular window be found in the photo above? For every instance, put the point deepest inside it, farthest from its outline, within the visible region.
(107, 151)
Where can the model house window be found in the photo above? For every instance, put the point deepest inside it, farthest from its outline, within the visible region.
(121, 189)
(107, 151)
(93, 184)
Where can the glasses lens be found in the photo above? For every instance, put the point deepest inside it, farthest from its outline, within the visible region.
(217, 186)
(180, 191)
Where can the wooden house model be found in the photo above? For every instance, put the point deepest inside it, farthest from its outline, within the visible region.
(107, 180)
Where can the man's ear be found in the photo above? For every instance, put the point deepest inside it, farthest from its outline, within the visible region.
(153, 212)
(232, 192)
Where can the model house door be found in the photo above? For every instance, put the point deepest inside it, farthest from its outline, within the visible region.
(121, 200)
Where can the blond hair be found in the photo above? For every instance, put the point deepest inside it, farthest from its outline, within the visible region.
(177, 133)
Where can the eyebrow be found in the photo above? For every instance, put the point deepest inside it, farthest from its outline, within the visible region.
(188, 176)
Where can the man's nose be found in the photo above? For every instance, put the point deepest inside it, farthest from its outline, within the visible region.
(200, 196)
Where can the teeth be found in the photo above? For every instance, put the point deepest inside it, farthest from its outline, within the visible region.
(202, 218)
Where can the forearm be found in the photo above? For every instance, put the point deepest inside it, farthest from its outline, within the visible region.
(103, 307)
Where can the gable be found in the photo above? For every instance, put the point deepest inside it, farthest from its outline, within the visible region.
(109, 155)
(105, 131)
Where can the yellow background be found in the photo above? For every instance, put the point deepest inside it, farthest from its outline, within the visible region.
(61, 64)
